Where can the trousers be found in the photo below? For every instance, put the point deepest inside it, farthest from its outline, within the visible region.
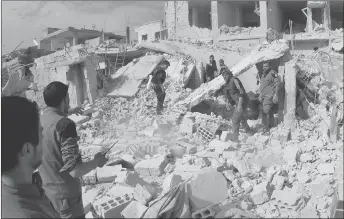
(239, 118)
(267, 115)
(68, 207)
(160, 95)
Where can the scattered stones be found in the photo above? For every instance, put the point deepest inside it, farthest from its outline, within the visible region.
(261, 193)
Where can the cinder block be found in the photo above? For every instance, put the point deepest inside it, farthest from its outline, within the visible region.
(206, 212)
(152, 167)
(112, 208)
(134, 210)
(144, 194)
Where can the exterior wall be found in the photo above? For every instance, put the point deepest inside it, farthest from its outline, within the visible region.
(214, 20)
(150, 29)
(45, 44)
(263, 14)
(170, 18)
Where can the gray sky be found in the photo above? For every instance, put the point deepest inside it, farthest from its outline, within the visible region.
(25, 20)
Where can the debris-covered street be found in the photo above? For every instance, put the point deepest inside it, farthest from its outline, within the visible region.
(181, 160)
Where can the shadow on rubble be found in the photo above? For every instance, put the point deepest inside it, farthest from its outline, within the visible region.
(212, 106)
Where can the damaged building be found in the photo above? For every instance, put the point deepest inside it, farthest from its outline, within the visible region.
(214, 19)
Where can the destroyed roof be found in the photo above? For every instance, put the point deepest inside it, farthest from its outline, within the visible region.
(80, 31)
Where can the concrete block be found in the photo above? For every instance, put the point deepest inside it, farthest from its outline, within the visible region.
(108, 173)
(326, 168)
(261, 193)
(121, 190)
(144, 194)
(89, 215)
(202, 161)
(221, 146)
(251, 140)
(154, 166)
(90, 178)
(287, 198)
(169, 168)
(306, 157)
(229, 175)
(242, 166)
(187, 168)
(170, 182)
(87, 199)
(131, 178)
(202, 192)
(134, 210)
(187, 126)
(291, 154)
(278, 182)
(225, 136)
(112, 208)
(189, 148)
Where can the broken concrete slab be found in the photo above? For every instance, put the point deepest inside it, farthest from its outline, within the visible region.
(108, 173)
(127, 82)
(202, 192)
(134, 210)
(161, 46)
(261, 193)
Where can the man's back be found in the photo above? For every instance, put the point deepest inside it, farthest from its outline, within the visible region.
(55, 182)
(25, 202)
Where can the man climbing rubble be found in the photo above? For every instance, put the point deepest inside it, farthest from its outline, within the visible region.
(61, 162)
(210, 69)
(223, 66)
(236, 95)
(158, 79)
(268, 95)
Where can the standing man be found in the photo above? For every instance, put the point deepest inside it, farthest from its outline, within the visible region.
(268, 95)
(236, 95)
(21, 154)
(61, 163)
(223, 67)
(210, 69)
(158, 79)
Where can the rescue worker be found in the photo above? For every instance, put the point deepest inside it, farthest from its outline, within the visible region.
(21, 154)
(210, 69)
(236, 95)
(61, 162)
(268, 95)
(158, 79)
(223, 67)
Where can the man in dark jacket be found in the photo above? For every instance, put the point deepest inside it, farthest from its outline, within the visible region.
(158, 79)
(223, 67)
(210, 69)
(61, 162)
(236, 95)
(268, 95)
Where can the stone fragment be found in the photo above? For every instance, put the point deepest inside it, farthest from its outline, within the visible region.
(242, 166)
(189, 148)
(261, 193)
(202, 192)
(120, 190)
(134, 210)
(237, 183)
(303, 177)
(202, 161)
(278, 182)
(170, 182)
(229, 174)
(221, 146)
(306, 157)
(225, 136)
(251, 140)
(245, 205)
(309, 212)
(131, 178)
(325, 168)
(152, 167)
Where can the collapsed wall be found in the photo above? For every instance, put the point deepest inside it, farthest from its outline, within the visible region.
(73, 66)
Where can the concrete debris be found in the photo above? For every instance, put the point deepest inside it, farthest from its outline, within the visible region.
(187, 152)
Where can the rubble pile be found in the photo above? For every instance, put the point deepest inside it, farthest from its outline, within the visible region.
(236, 30)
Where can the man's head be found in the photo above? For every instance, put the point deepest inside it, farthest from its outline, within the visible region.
(56, 96)
(211, 58)
(165, 64)
(227, 75)
(266, 66)
(21, 134)
(221, 62)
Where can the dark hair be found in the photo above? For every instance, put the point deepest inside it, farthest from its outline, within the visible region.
(19, 125)
(211, 56)
(227, 72)
(165, 62)
(221, 60)
(54, 93)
